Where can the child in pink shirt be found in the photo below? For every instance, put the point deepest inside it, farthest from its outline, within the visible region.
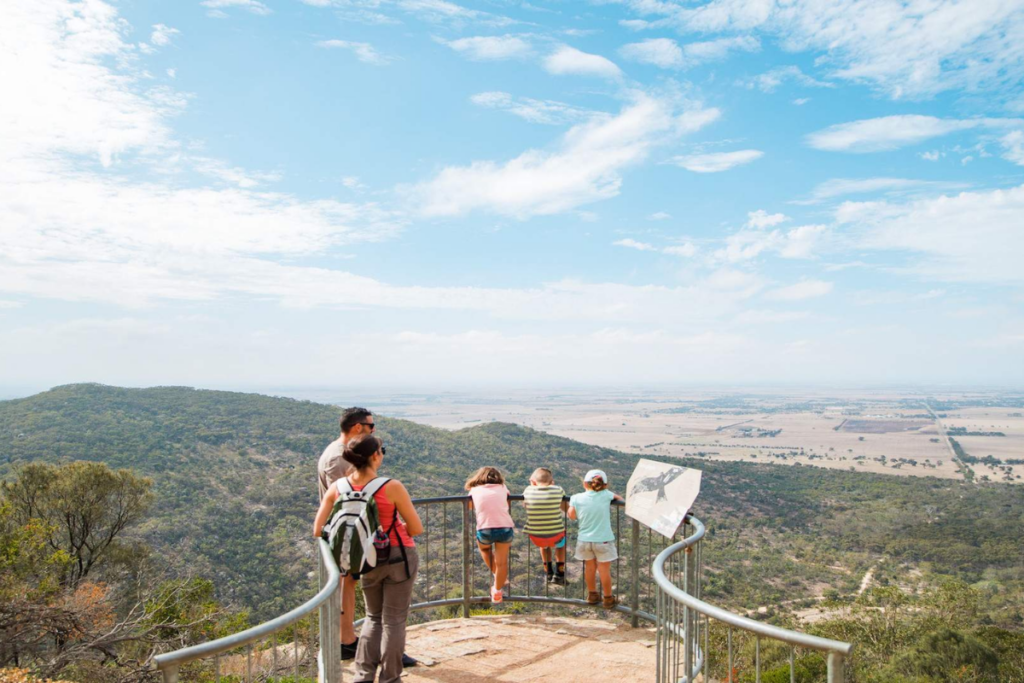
(494, 525)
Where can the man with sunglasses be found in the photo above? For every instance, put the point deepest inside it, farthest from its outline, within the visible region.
(332, 467)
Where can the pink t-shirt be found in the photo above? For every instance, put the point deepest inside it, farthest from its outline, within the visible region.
(491, 504)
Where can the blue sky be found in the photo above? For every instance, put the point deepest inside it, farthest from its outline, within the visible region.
(419, 193)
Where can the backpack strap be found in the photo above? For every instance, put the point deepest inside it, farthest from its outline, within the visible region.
(343, 482)
(375, 485)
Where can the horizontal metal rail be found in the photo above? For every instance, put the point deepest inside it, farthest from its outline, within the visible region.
(679, 612)
(170, 662)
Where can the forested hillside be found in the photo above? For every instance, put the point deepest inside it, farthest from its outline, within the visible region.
(234, 482)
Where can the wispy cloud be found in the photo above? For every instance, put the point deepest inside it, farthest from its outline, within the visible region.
(893, 132)
(716, 162)
(162, 35)
(805, 289)
(667, 54)
(253, 6)
(490, 48)
(630, 243)
(364, 52)
(586, 167)
(968, 237)
(770, 81)
(568, 61)
(536, 111)
(913, 52)
(841, 187)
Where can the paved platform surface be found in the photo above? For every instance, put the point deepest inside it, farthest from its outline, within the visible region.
(525, 648)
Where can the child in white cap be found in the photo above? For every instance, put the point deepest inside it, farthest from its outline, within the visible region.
(595, 543)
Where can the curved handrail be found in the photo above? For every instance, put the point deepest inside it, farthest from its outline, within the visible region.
(170, 660)
(725, 616)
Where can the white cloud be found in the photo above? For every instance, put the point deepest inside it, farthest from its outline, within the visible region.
(838, 187)
(630, 243)
(805, 289)
(717, 50)
(933, 155)
(659, 216)
(568, 61)
(442, 11)
(769, 81)
(586, 166)
(905, 49)
(801, 242)
(667, 54)
(490, 48)
(801, 101)
(892, 132)
(968, 237)
(716, 162)
(663, 52)
(761, 317)
(241, 177)
(253, 6)
(685, 250)
(536, 111)
(4, 304)
(162, 35)
(1013, 146)
(762, 219)
(172, 73)
(364, 52)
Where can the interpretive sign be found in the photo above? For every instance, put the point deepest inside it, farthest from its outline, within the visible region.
(659, 495)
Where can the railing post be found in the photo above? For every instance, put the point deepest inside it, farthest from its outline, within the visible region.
(171, 674)
(465, 560)
(330, 630)
(688, 614)
(836, 668)
(634, 594)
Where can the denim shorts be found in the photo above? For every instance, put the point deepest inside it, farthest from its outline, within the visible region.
(497, 535)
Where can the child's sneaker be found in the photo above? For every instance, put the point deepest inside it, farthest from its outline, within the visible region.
(558, 579)
(496, 595)
(593, 597)
(608, 602)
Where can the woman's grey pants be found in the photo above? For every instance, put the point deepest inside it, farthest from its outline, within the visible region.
(388, 593)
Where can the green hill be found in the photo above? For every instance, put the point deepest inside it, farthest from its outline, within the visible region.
(235, 479)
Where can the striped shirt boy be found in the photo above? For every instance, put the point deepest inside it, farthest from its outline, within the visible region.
(544, 517)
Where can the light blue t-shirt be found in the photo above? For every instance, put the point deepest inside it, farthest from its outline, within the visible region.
(594, 512)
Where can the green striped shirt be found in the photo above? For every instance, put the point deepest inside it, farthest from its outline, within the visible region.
(544, 517)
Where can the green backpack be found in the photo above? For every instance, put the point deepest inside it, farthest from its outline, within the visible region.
(353, 530)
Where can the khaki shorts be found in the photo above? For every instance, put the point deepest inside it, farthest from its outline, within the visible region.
(602, 552)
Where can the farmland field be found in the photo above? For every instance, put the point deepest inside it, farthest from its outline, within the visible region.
(887, 432)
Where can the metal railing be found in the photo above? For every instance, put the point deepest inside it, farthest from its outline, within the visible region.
(326, 601)
(452, 578)
(683, 620)
(452, 575)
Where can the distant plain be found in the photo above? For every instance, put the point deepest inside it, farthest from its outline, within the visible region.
(890, 432)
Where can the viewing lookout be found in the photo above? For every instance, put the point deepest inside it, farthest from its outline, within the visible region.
(660, 630)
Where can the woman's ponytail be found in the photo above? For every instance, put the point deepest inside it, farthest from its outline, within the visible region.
(358, 451)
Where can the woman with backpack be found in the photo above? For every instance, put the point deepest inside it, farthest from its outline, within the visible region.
(388, 580)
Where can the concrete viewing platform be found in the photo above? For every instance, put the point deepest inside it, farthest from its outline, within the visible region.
(529, 648)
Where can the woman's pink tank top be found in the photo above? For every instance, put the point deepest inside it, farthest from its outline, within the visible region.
(386, 510)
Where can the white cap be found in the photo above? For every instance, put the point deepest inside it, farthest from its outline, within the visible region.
(594, 474)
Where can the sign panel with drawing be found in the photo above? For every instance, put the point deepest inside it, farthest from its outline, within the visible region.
(660, 494)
